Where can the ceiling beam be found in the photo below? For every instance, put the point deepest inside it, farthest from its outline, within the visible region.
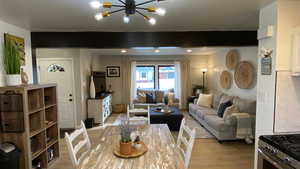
(142, 39)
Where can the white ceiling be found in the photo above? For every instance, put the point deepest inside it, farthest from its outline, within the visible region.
(182, 15)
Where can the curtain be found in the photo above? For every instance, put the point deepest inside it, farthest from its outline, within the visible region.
(126, 80)
(185, 81)
(133, 82)
(178, 82)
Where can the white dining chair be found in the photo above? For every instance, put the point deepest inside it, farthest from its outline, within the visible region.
(144, 115)
(186, 142)
(83, 146)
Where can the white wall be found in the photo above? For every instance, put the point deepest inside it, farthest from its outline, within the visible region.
(85, 73)
(13, 30)
(217, 64)
(266, 83)
(100, 63)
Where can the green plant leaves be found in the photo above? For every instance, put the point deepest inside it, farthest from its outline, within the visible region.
(11, 56)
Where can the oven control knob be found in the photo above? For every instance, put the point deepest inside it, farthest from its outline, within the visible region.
(287, 160)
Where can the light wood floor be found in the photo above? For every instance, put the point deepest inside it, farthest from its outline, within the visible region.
(207, 154)
(210, 154)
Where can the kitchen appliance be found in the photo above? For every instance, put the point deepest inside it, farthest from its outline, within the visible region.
(279, 152)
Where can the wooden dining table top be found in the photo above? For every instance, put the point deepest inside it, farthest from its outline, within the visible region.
(162, 152)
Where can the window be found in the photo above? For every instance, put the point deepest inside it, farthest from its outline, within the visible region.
(160, 77)
(145, 77)
(55, 68)
(166, 78)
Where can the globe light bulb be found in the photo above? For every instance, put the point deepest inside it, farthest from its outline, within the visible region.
(152, 21)
(98, 16)
(96, 4)
(160, 11)
(126, 19)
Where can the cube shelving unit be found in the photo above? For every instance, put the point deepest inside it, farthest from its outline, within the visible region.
(40, 135)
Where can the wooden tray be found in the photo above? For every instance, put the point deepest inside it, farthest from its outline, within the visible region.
(135, 152)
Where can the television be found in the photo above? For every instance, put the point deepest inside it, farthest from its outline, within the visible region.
(100, 83)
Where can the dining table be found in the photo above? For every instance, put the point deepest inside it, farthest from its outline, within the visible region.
(162, 151)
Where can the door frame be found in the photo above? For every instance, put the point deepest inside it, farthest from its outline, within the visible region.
(73, 79)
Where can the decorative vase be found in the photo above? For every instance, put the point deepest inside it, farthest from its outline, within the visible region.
(92, 88)
(13, 80)
(24, 77)
(125, 148)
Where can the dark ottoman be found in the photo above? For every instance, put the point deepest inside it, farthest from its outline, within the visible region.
(173, 120)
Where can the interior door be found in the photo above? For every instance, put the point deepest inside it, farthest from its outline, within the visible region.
(60, 71)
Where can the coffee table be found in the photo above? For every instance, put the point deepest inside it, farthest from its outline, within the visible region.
(173, 119)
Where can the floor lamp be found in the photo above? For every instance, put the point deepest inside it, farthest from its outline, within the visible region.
(204, 70)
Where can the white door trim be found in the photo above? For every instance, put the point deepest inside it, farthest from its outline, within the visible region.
(73, 79)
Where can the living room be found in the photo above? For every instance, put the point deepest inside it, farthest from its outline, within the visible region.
(217, 86)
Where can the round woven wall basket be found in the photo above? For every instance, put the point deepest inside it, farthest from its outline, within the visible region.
(226, 79)
(243, 75)
(232, 59)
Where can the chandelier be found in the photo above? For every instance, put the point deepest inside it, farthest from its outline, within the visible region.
(130, 7)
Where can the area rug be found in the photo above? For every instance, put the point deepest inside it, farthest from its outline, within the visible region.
(201, 132)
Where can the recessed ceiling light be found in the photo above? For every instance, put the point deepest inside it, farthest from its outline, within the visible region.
(96, 4)
(189, 50)
(157, 51)
(123, 51)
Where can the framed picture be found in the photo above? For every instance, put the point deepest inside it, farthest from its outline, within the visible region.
(20, 43)
(113, 71)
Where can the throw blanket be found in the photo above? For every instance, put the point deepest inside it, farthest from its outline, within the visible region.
(244, 126)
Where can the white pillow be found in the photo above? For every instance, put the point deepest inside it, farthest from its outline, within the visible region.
(205, 100)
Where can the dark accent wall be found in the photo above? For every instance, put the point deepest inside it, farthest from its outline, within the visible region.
(142, 39)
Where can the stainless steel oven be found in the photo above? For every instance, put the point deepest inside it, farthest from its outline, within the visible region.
(271, 158)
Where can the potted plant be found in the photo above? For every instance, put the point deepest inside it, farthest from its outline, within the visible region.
(12, 63)
(125, 142)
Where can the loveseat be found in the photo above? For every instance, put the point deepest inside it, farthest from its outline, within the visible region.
(222, 129)
(159, 98)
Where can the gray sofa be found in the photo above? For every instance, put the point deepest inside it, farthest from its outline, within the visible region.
(220, 128)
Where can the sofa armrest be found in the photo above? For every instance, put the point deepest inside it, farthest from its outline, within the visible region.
(136, 101)
(232, 120)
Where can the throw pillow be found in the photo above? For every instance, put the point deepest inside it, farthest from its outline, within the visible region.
(150, 98)
(223, 107)
(141, 96)
(171, 97)
(159, 96)
(229, 111)
(225, 98)
(205, 100)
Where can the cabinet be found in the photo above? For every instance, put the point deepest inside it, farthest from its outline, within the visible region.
(100, 109)
(36, 133)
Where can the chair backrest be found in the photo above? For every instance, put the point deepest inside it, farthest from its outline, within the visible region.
(84, 144)
(136, 111)
(187, 142)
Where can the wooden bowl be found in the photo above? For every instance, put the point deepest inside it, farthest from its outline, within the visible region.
(135, 152)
